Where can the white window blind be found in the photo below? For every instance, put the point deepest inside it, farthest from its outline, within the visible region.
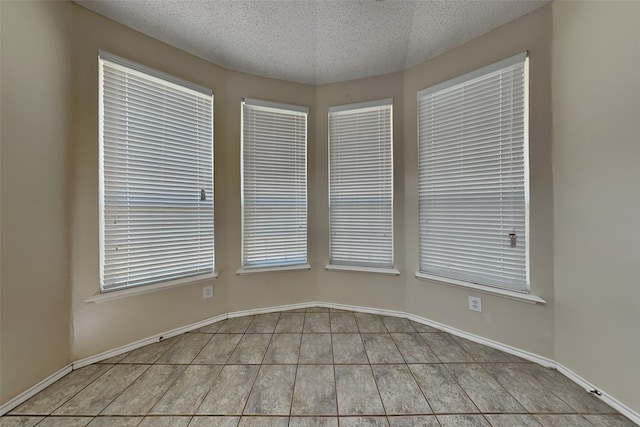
(274, 184)
(361, 184)
(156, 176)
(473, 177)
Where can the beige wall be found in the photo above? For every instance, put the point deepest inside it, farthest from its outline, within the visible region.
(360, 289)
(35, 306)
(56, 45)
(519, 324)
(596, 157)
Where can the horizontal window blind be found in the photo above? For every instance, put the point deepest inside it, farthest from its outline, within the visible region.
(361, 184)
(156, 176)
(473, 177)
(274, 184)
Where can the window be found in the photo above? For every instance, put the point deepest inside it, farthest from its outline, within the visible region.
(473, 177)
(274, 185)
(156, 177)
(361, 185)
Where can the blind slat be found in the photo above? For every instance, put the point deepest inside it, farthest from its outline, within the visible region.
(361, 184)
(156, 156)
(472, 177)
(274, 184)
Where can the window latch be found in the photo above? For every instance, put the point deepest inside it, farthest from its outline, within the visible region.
(203, 195)
(513, 238)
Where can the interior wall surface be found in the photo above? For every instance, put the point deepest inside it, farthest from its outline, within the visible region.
(35, 122)
(596, 101)
(352, 287)
(516, 323)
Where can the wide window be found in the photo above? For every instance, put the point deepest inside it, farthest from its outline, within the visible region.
(156, 177)
(274, 186)
(473, 177)
(361, 185)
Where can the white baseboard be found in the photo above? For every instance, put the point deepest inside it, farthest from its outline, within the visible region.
(541, 360)
(606, 398)
(33, 390)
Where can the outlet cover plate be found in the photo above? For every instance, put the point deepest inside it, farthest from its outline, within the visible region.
(207, 291)
(475, 304)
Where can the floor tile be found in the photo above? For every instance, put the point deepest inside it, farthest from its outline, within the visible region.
(317, 310)
(313, 422)
(413, 348)
(529, 392)
(236, 325)
(115, 422)
(165, 422)
(399, 391)
(139, 397)
(264, 422)
(356, 391)
(397, 324)
(263, 323)
(250, 349)
(229, 391)
(97, 395)
(316, 322)
(420, 327)
(185, 350)
(214, 421)
(369, 323)
(364, 422)
(446, 348)
(462, 421)
(444, 395)
(413, 421)
(187, 392)
(316, 348)
(272, 391)
(510, 420)
(482, 353)
(381, 349)
(563, 421)
(484, 391)
(19, 421)
(152, 352)
(348, 348)
(290, 323)
(218, 349)
(211, 328)
(574, 395)
(315, 391)
(65, 422)
(283, 349)
(609, 421)
(343, 322)
(49, 399)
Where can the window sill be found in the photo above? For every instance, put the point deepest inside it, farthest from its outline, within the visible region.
(139, 290)
(357, 269)
(298, 267)
(528, 298)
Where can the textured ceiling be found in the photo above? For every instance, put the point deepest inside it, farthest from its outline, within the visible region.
(314, 41)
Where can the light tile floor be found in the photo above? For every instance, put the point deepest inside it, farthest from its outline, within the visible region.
(316, 367)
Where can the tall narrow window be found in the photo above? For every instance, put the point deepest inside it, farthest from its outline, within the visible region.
(156, 176)
(361, 185)
(473, 177)
(274, 186)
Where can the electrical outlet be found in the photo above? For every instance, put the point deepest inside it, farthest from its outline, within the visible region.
(207, 291)
(475, 304)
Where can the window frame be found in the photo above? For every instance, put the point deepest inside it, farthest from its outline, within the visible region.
(499, 289)
(278, 108)
(148, 75)
(355, 109)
